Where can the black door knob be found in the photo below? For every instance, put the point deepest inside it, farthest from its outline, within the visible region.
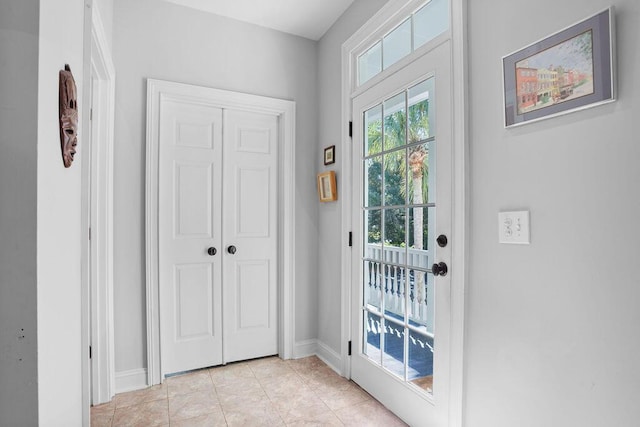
(439, 269)
(231, 249)
(212, 251)
(442, 240)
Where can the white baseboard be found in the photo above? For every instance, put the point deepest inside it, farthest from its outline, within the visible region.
(305, 348)
(134, 379)
(329, 356)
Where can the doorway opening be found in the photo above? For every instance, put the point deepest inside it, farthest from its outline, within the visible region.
(97, 217)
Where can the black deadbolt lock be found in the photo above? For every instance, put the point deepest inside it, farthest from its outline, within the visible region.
(442, 240)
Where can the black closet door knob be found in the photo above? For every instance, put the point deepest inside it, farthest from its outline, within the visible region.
(231, 249)
(212, 251)
(439, 269)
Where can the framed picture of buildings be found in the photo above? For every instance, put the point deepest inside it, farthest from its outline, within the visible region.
(570, 70)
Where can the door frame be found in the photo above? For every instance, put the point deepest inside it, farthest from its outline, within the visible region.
(390, 15)
(158, 90)
(97, 216)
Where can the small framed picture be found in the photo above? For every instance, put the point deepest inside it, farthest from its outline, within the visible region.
(330, 155)
(327, 190)
(570, 70)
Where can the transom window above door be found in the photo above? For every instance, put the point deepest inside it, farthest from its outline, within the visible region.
(425, 24)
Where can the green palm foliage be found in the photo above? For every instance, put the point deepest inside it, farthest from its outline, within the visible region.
(401, 139)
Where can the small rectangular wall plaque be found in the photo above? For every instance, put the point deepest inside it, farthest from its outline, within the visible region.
(327, 190)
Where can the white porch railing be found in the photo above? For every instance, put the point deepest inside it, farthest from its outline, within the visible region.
(392, 282)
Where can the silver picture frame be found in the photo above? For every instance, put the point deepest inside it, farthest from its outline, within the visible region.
(570, 70)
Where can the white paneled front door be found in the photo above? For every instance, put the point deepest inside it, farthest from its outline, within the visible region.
(217, 235)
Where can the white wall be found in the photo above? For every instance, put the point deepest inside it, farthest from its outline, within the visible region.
(165, 41)
(552, 336)
(18, 292)
(552, 327)
(59, 237)
(329, 133)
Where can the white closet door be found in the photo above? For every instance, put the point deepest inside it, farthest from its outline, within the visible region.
(250, 227)
(190, 191)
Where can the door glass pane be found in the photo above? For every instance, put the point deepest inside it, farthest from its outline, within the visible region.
(393, 357)
(395, 235)
(419, 174)
(419, 238)
(370, 63)
(399, 217)
(420, 302)
(394, 122)
(420, 370)
(372, 335)
(373, 283)
(430, 21)
(373, 130)
(421, 339)
(397, 44)
(373, 221)
(394, 291)
(421, 125)
(395, 182)
(430, 168)
(373, 182)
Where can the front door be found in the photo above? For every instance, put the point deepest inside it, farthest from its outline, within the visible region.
(402, 204)
(217, 235)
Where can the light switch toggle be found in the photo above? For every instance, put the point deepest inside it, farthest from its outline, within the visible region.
(514, 228)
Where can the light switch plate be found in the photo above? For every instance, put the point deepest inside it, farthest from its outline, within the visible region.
(513, 227)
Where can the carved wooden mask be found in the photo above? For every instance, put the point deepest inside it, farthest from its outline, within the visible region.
(68, 103)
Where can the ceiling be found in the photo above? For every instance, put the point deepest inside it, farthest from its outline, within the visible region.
(306, 18)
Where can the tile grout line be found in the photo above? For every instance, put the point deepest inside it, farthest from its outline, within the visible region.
(215, 388)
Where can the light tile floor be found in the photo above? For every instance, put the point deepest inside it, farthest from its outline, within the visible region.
(262, 392)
